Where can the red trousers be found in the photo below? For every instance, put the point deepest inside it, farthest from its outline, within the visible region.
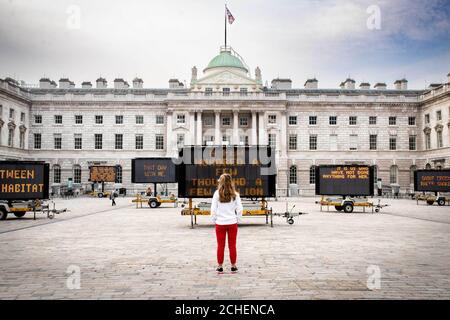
(221, 232)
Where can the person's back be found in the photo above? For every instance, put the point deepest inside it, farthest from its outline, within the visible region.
(224, 213)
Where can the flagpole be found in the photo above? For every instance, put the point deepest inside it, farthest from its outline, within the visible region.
(225, 26)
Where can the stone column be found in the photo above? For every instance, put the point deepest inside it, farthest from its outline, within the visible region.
(283, 135)
(169, 133)
(236, 127)
(199, 128)
(217, 136)
(191, 137)
(262, 130)
(254, 137)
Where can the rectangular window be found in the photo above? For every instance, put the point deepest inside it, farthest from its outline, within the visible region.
(373, 142)
(333, 142)
(427, 118)
(243, 121)
(225, 140)
(439, 139)
(11, 137)
(226, 121)
(22, 117)
(372, 120)
(139, 119)
(181, 119)
(37, 141)
(332, 120)
(159, 142)
(98, 119)
(58, 119)
(207, 120)
(78, 119)
(159, 119)
(118, 142)
(243, 140)
(208, 91)
(226, 91)
(292, 142)
(411, 121)
(139, 141)
(119, 119)
(427, 141)
(11, 114)
(392, 121)
(98, 141)
(292, 120)
(57, 138)
(38, 119)
(78, 141)
(272, 118)
(243, 91)
(180, 140)
(312, 142)
(272, 139)
(392, 143)
(22, 140)
(412, 143)
(439, 115)
(352, 120)
(353, 142)
(312, 120)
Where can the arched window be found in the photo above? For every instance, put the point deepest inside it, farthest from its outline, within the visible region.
(393, 176)
(119, 174)
(428, 166)
(411, 173)
(312, 175)
(56, 174)
(293, 174)
(76, 174)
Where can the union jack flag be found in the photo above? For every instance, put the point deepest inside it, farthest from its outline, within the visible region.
(230, 16)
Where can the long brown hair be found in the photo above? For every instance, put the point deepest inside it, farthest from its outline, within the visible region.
(227, 192)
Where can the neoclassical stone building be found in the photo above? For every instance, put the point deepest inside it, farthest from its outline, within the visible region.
(72, 127)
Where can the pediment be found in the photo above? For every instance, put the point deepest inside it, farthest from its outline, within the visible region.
(225, 77)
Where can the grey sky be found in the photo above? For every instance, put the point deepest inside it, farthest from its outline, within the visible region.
(158, 40)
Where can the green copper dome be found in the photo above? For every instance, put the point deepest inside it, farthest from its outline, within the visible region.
(226, 59)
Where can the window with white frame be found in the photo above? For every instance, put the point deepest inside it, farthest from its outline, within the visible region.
(372, 120)
(427, 141)
(438, 115)
(11, 137)
(159, 142)
(412, 169)
(181, 119)
(98, 119)
(393, 174)
(293, 174)
(243, 91)
(312, 120)
(180, 140)
(12, 114)
(243, 121)
(78, 119)
(226, 91)
(118, 141)
(22, 117)
(58, 119)
(57, 138)
(208, 91)
(427, 118)
(292, 121)
(38, 119)
(139, 141)
(292, 142)
(393, 143)
(37, 141)
(56, 174)
(412, 142)
(159, 119)
(78, 141)
(272, 140)
(139, 119)
(226, 121)
(76, 174)
(312, 175)
(207, 120)
(412, 121)
(119, 119)
(243, 140)
(440, 142)
(272, 118)
(352, 120)
(226, 140)
(98, 141)
(22, 139)
(119, 174)
(392, 121)
(332, 120)
(373, 139)
(313, 142)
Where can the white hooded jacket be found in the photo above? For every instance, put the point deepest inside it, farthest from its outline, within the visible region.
(224, 213)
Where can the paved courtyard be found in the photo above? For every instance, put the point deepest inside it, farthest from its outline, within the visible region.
(129, 253)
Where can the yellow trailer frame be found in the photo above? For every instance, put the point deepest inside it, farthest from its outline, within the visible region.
(431, 199)
(262, 211)
(139, 200)
(341, 204)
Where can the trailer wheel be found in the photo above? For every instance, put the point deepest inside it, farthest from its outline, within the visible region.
(430, 202)
(441, 202)
(377, 210)
(291, 221)
(348, 208)
(3, 214)
(100, 195)
(338, 208)
(158, 204)
(153, 204)
(19, 214)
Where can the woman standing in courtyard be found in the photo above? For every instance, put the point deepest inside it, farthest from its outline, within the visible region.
(226, 211)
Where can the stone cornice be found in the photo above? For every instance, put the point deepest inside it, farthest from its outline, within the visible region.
(72, 103)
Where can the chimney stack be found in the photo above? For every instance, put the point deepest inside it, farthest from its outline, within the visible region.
(282, 84)
(401, 84)
(349, 84)
(364, 86)
(86, 85)
(175, 84)
(138, 83)
(311, 84)
(45, 83)
(101, 83)
(64, 83)
(380, 86)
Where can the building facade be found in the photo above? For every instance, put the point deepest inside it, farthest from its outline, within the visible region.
(397, 130)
